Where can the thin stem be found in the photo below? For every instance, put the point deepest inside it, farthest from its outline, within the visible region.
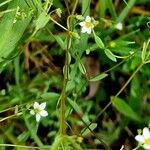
(33, 134)
(137, 147)
(66, 68)
(6, 11)
(58, 24)
(87, 127)
(3, 3)
(11, 116)
(67, 6)
(124, 86)
(119, 92)
(131, 77)
(2, 111)
(21, 146)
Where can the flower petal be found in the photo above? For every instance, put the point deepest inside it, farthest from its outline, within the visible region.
(42, 106)
(43, 113)
(84, 29)
(38, 117)
(146, 146)
(36, 105)
(89, 31)
(32, 112)
(146, 133)
(82, 23)
(88, 19)
(139, 138)
(119, 26)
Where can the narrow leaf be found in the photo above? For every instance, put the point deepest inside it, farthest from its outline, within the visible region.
(110, 55)
(99, 77)
(60, 41)
(144, 51)
(50, 96)
(42, 20)
(87, 131)
(124, 108)
(98, 41)
(82, 68)
(74, 105)
(126, 10)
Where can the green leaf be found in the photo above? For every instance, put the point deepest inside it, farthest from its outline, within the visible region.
(111, 8)
(50, 96)
(60, 41)
(124, 108)
(42, 20)
(99, 77)
(145, 54)
(5, 2)
(103, 9)
(81, 67)
(86, 131)
(126, 10)
(110, 55)
(98, 41)
(74, 105)
(12, 32)
(144, 51)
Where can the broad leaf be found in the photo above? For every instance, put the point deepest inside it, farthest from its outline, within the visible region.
(12, 32)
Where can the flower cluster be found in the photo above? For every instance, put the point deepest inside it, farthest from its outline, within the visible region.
(38, 110)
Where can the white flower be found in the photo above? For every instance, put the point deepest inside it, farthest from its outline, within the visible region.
(144, 139)
(122, 147)
(119, 26)
(38, 110)
(87, 25)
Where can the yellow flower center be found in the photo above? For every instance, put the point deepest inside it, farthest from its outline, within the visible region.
(147, 141)
(88, 24)
(37, 111)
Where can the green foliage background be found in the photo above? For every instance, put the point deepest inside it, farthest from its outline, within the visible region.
(32, 56)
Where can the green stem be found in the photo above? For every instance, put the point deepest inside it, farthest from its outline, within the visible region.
(58, 24)
(66, 69)
(128, 81)
(33, 134)
(22, 146)
(11, 116)
(124, 86)
(137, 147)
(88, 127)
(119, 92)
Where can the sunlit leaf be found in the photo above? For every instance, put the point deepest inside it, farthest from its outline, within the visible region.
(98, 41)
(99, 77)
(81, 68)
(42, 20)
(110, 55)
(91, 128)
